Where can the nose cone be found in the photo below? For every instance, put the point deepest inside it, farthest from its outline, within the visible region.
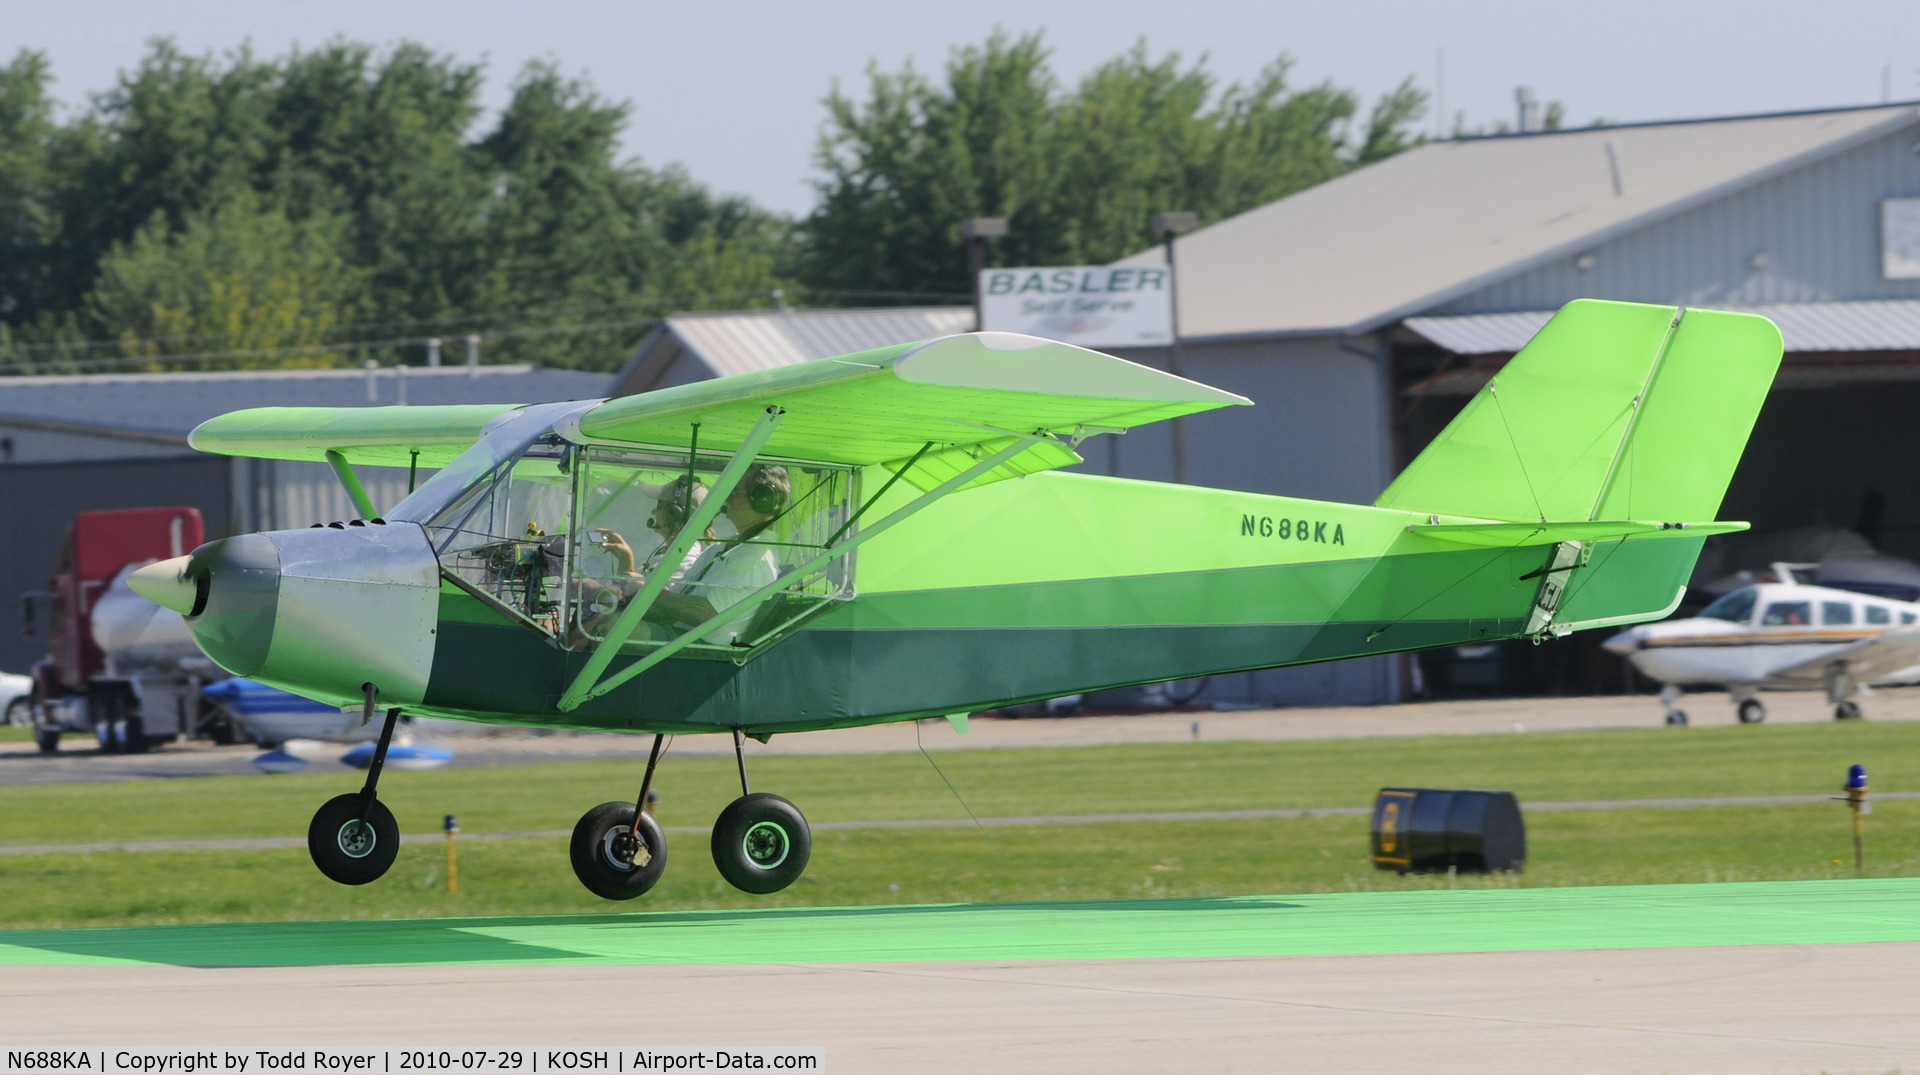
(166, 584)
(1625, 642)
(238, 583)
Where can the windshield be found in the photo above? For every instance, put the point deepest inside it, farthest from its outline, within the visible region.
(1736, 607)
(509, 435)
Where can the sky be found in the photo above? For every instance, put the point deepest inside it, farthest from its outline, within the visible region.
(733, 91)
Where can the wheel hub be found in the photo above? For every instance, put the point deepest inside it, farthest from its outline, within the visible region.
(356, 839)
(623, 850)
(766, 845)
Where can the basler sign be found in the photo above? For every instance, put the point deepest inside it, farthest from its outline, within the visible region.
(1093, 306)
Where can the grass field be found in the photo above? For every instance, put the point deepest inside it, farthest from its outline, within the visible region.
(1188, 858)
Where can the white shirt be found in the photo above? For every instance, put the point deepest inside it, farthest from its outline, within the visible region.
(725, 574)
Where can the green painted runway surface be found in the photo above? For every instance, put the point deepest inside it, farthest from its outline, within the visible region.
(1647, 916)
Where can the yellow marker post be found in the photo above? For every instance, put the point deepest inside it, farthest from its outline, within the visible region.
(453, 857)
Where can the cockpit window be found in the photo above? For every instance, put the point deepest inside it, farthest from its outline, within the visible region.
(632, 505)
(504, 537)
(507, 437)
(564, 537)
(1736, 607)
(1788, 614)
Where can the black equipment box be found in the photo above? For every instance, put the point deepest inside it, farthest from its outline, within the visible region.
(1423, 830)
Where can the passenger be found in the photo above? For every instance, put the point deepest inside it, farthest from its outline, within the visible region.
(731, 569)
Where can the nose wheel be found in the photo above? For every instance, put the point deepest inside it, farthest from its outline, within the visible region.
(353, 838)
(353, 841)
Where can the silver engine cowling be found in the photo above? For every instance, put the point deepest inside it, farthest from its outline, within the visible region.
(320, 611)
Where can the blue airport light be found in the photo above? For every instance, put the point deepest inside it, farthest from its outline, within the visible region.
(1856, 777)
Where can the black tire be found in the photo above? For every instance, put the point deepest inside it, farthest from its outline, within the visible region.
(1676, 718)
(20, 712)
(1751, 711)
(136, 737)
(344, 848)
(602, 858)
(1848, 710)
(761, 843)
(47, 739)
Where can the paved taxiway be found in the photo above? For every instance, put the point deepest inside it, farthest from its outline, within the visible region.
(1802, 1008)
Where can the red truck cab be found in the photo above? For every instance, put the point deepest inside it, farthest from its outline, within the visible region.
(98, 545)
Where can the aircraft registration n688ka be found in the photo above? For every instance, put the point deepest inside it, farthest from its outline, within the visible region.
(882, 537)
(1783, 636)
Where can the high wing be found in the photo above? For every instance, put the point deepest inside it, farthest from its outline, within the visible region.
(374, 436)
(1866, 660)
(968, 396)
(940, 405)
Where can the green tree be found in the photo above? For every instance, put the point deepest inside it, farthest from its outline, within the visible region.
(234, 281)
(359, 174)
(27, 217)
(1078, 173)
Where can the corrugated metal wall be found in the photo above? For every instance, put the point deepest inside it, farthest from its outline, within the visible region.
(276, 494)
(43, 498)
(1818, 227)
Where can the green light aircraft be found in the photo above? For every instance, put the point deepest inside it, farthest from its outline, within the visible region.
(884, 537)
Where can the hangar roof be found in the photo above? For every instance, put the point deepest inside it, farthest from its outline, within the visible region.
(1889, 325)
(166, 406)
(746, 340)
(1446, 218)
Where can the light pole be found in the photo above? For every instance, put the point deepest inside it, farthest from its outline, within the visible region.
(976, 231)
(1168, 225)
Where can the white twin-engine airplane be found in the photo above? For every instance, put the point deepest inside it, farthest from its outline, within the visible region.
(1780, 636)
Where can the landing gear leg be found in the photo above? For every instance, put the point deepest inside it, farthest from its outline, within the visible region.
(618, 850)
(1841, 691)
(761, 842)
(353, 838)
(1676, 717)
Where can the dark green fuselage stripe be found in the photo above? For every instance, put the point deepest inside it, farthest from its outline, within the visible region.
(893, 656)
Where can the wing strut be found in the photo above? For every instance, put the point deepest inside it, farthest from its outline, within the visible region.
(355, 491)
(584, 689)
(696, 525)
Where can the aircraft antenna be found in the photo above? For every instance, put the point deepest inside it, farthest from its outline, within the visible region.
(948, 783)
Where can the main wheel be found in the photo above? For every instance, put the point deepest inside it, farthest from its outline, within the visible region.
(20, 712)
(1752, 712)
(347, 849)
(1848, 710)
(761, 843)
(1676, 718)
(47, 739)
(608, 860)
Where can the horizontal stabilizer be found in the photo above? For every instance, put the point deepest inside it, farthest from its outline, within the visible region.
(1517, 535)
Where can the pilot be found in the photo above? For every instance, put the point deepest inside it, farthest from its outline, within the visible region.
(733, 568)
(670, 512)
(603, 599)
